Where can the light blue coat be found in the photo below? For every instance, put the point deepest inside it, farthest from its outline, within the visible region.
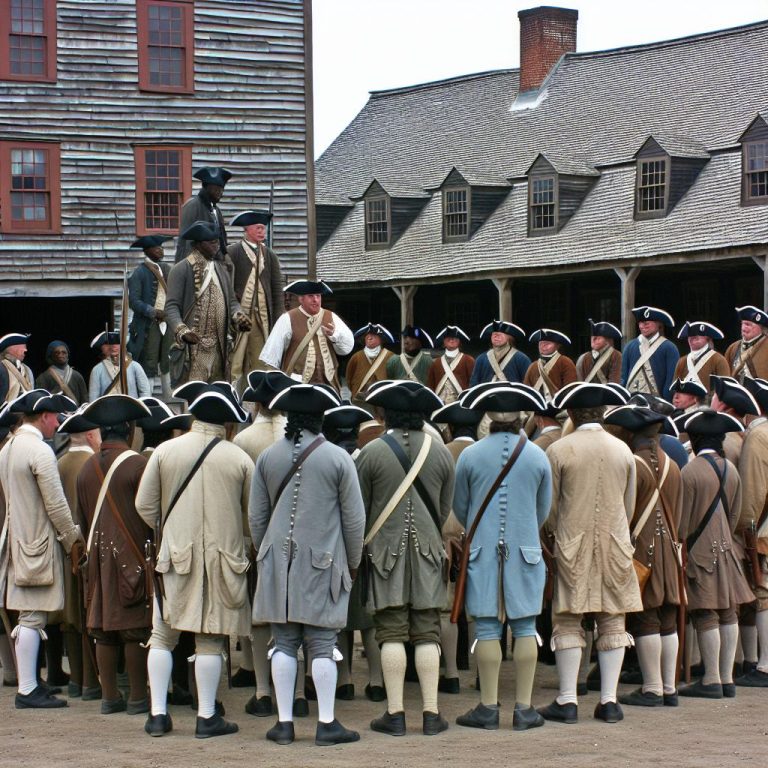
(516, 512)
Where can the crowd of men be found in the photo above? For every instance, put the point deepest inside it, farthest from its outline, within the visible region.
(614, 501)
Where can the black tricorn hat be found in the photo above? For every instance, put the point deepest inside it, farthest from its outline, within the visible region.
(688, 387)
(75, 423)
(456, 415)
(307, 287)
(700, 328)
(8, 418)
(634, 417)
(758, 388)
(42, 401)
(753, 314)
(263, 386)
(376, 328)
(212, 175)
(246, 218)
(215, 406)
(410, 396)
(115, 409)
(503, 396)
(418, 333)
(150, 241)
(105, 337)
(502, 326)
(452, 332)
(193, 389)
(708, 423)
(734, 395)
(11, 339)
(604, 328)
(158, 411)
(582, 394)
(654, 402)
(181, 421)
(200, 231)
(549, 411)
(549, 334)
(306, 398)
(653, 313)
(345, 416)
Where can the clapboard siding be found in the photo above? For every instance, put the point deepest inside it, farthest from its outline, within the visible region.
(247, 113)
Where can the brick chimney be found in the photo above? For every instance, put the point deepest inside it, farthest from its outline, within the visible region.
(546, 33)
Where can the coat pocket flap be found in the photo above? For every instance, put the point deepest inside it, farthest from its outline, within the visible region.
(474, 552)
(321, 558)
(531, 555)
(181, 558)
(236, 563)
(568, 550)
(34, 548)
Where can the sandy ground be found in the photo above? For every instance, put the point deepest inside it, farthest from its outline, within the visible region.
(729, 732)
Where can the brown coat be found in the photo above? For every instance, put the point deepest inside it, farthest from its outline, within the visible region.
(116, 596)
(271, 278)
(757, 364)
(299, 330)
(611, 370)
(653, 545)
(716, 365)
(359, 365)
(552, 436)
(562, 373)
(462, 372)
(715, 578)
(753, 470)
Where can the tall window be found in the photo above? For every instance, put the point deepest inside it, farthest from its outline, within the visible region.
(377, 222)
(166, 46)
(755, 164)
(29, 187)
(652, 186)
(543, 203)
(163, 182)
(28, 40)
(455, 214)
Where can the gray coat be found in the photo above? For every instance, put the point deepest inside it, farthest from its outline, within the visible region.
(199, 207)
(271, 279)
(320, 518)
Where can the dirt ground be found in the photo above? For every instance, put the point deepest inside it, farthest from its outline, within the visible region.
(729, 732)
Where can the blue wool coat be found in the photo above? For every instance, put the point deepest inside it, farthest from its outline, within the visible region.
(142, 291)
(514, 370)
(515, 515)
(663, 364)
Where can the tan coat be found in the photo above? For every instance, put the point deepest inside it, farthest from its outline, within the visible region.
(757, 364)
(611, 371)
(593, 498)
(716, 365)
(753, 470)
(357, 369)
(549, 437)
(260, 435)
(39, 525)
(202, 555)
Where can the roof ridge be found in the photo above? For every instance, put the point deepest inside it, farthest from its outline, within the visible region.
(444, 81)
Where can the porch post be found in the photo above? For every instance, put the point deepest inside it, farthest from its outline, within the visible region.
(628, 278)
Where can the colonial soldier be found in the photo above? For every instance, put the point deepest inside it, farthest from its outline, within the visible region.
(159, 426)
(105, 375)
(505, 579)
(548, 428)
(309, 533)
(194, 492)
(503, 361)
(16, 378)
(728, 396)
(258, 284)
(38, 530)
(118, 584)
(715, 581)
(414, 362)
(370, 363)
(649, 360)
(703, 360)
(84, 441)
(654, 532)
(603, 362)
(449, 374)
(305, 342)
(61, 378)
(148, 339)
(204, 207)
(407, 482)
(593, 500)
(749, 356)
(687, 396)
(552, 371)
(200, 306)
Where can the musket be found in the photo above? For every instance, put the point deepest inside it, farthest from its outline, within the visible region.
(124, 333)
(271, 210)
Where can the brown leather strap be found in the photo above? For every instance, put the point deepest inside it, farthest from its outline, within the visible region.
(303, 456)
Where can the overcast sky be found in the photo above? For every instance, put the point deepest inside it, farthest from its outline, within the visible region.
(367, 45)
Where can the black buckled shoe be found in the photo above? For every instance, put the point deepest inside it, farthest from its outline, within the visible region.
(700, 690)
(346, 692)
(448, 685)
(218, 708)
(300, 708)
(112, 706)
(158, 725)
(282, 732)
(671, 700)
(74, 691)
(524, 718)
(208, 727)
(38, 698)
(641, 698)
(138, 707)
(433, 723)
(610, 712)
(753, 679)
(375, 692)
(729, 691)
(390, 723)
(480, 717)
(560, 713)
(328, 734)
(91, 693)
(261, 707)
(244, 678)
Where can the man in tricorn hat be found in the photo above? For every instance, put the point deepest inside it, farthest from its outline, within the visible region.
(449, 374)
(258, 284)
(200, 306)
(553, 370)
(105, 375)
(703, 360)
(38, 521)
(603, 361)
(305, 342)
(749, 355)
(414, 362)
(16, 378)
(61, 377)
(503, 361)
(649, 360)
(148, 337)
(204, 207)
(308, 532)
(369, 364)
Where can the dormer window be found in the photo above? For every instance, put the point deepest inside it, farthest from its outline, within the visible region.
(543, 203)
(456, 201)
(755, 164)
(652, 188)
(377, 222)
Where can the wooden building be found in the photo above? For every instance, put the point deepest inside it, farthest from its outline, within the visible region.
(576, 186)
(109, 107)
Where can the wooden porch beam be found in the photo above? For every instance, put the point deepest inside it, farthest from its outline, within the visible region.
(628, 278)
(761, 262)
(405, 293)
(504, 287)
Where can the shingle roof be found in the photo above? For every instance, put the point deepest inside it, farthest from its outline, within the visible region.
(698, 94)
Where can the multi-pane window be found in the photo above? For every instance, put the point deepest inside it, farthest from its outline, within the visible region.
(29, 187)
(28, 40)
(543, 203)
(163, 182)
(376, 221)
(652, 185)
(455, 214)
(166, 34)
(756, 171)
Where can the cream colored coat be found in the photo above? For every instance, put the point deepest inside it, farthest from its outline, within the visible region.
(593, 499)
(39, 525)
(202, 554)
(753, 469)
(257, 437)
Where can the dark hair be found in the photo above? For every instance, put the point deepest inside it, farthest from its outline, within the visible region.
(297, 422)
(394, 419)
(344, 438)
(464, 430)
(702, 442)
(156, 437)
(119, 431)
(505, 426)
(581, 416)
